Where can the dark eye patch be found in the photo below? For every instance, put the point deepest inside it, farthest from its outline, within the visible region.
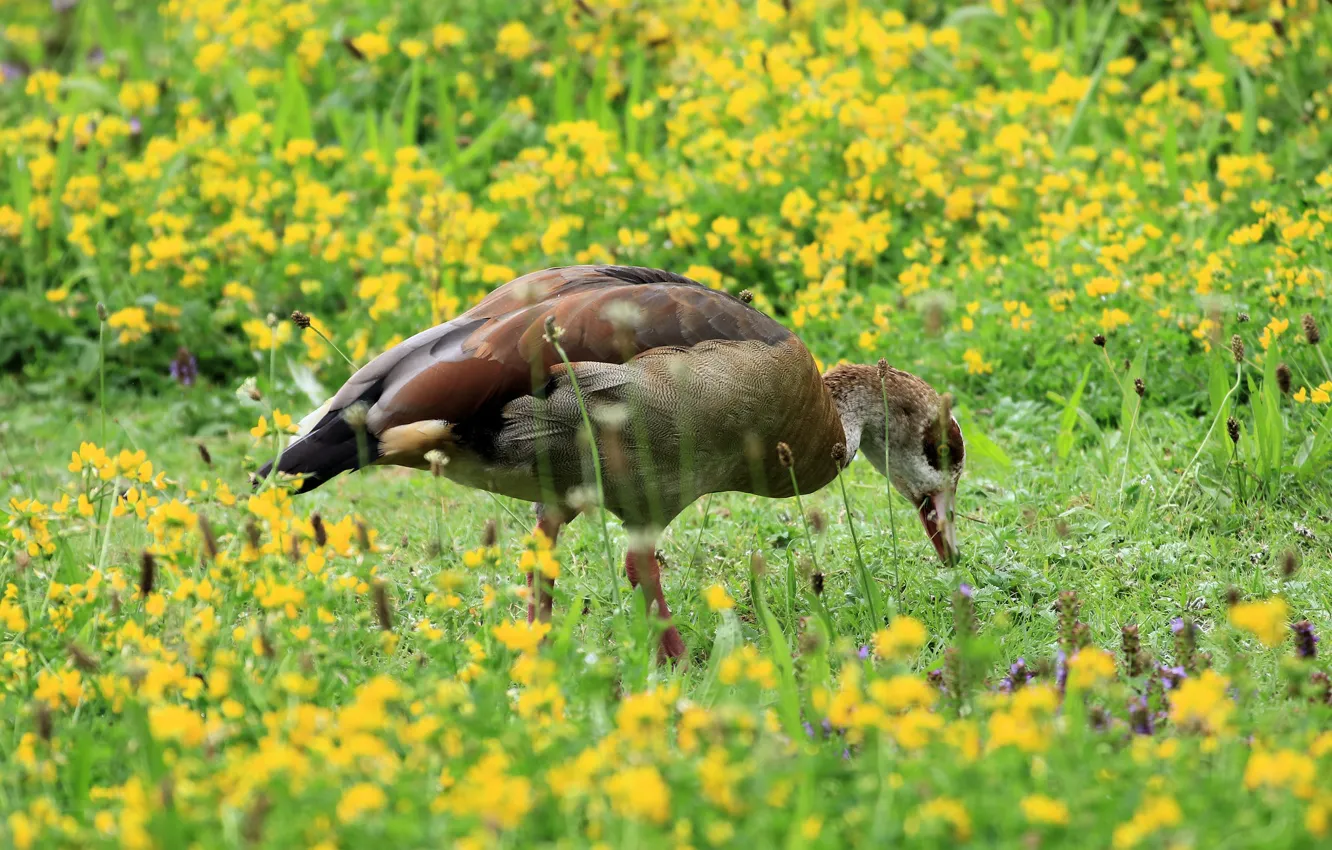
(931, 445)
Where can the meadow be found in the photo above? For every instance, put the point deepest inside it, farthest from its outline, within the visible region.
(1101, 225)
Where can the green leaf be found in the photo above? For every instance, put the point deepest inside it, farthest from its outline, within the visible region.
(979, 444)
(412, 108)
(1068, 420)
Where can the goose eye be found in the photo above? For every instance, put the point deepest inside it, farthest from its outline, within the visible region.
(930, 447)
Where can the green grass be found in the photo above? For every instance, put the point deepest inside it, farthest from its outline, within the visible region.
(974, 193)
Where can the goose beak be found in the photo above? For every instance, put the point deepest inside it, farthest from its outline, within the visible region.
(936, 512)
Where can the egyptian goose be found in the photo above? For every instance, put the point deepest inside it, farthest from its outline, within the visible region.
(689, 391)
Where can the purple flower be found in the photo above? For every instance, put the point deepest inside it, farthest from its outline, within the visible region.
(1140, 716)
(1171, 676)
(1306, 640)
(185, 368)
(864, 653)
(966, 590)
(1017, 678)
(1177, 625)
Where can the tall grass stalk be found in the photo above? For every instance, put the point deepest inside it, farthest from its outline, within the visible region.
(804, 520)
(892, 520)
(552, 336)
(1128, 448)
(870, 591)
(101, 369)
(1221, 411)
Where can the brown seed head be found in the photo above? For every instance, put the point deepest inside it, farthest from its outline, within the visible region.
(320, 533)
(362, 536)
(204, 455)
(41, 717)
(1139, 387)
(266, 643)
(209, 538)
(1099, 340)
(1283, 378)
(82, 658)
(252, 533)
(784, 456)
(1233, 596)
(1243, 317)
(817, 521)
(301, 320)
(882, 368)
(382, 611)
(816, 582)
(21, 561)
(839, 455)
(1237, 348)
(147, 573)
(101, 312)
(1232, 428)
(1290, 563)
(747, 296)
(757, 564)
(1311, 332)
(489, 534)
(253, 827)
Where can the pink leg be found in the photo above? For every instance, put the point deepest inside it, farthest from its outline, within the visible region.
(643, 569)
(538, 599)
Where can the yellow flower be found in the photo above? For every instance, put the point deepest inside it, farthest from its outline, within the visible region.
(640, 792)
(1089, 667)
(1038, 808)
(1155, 813)
(447, 35)
(976, 364)
(282, 422)
(1202, 703)
(1283, 769)
(901, 640)
(515, 41)
(941, 810)
(371, 45)
(718, 599)
(412, 48)
(259, 430)
(902, 692)
(360, 799)
(132, 322)
(178, 723)
(1265, 620)
(521, 637)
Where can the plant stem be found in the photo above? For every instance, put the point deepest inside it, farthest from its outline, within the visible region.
(596, 468)
(1221, 410)
(101, 375)
(334, 346)
(1239, 476)
(892, 520)
(870, 593)
(804, 520)
(1128, 448)
(1323, 359)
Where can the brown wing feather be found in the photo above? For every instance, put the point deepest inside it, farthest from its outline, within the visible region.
(496, 351)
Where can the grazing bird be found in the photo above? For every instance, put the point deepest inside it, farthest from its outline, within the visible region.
(688, 390)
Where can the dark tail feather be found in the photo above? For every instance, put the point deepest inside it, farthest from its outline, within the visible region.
(320, 456)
